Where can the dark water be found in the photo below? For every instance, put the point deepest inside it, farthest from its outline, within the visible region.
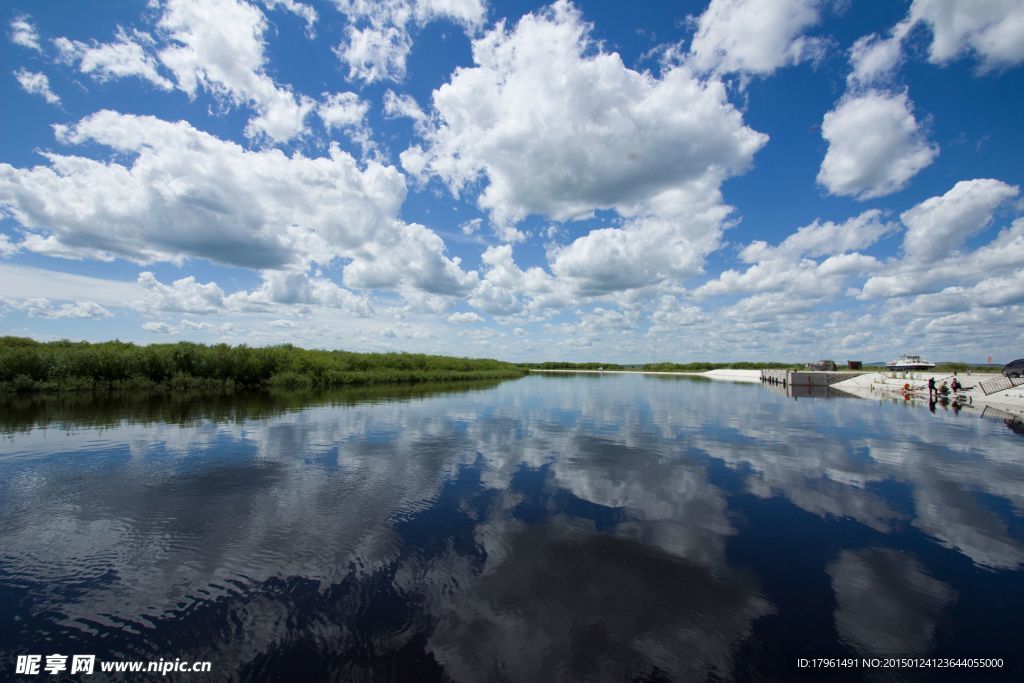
(606, 528)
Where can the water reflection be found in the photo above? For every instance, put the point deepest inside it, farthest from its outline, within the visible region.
(586, 527)
(887, 604)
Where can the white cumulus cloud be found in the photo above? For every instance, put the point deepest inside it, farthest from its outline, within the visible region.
(35, 83)
(991, 29)
(185, 295)
(754, 36)
(933, 260)
(47, 309)
(342, 110)
(875, 146)
(175, 192)
(558, 127)
(24, 33)
(874, 60)
(124, 57)
(938, 226)
(218, 45)
(465, 317)
(378, 40)
(7, 247)
(790, 278)
(289, 288)
(306, 12)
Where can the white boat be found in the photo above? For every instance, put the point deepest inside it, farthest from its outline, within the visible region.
(909, 362)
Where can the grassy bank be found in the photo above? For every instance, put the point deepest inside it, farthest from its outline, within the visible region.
(27, 365)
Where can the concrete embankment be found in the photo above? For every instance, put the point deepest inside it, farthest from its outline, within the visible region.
(860, 384)
(728, 375)
(888, 384)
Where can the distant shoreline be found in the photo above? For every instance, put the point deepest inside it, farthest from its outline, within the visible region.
(735, 375)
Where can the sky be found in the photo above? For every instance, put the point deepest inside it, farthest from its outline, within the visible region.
(590, 181)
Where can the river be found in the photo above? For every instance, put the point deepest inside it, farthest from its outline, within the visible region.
(578, 527)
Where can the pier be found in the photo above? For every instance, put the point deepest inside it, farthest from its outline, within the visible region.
(806, 378)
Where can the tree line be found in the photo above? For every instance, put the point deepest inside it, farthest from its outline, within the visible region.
(30, 365)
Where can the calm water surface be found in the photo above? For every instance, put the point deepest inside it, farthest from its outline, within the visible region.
(606, 528)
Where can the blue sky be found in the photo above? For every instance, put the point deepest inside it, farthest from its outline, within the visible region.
(739, 179)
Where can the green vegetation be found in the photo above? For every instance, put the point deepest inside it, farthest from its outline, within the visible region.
(964, 367)
(28, 365)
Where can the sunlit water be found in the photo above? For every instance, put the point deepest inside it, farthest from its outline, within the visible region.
(553, 528)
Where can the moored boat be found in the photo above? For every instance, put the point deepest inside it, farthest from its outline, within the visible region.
(909, 362)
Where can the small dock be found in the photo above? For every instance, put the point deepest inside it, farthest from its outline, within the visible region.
(807, 378)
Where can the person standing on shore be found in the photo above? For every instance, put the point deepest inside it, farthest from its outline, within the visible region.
(931, 386)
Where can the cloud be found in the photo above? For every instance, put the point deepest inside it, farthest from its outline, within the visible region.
(375, 53)
(644, 252)
(991, 30)
(159, 328)
(826, 238)
(25, 282)
(906, 277)
(403, 105)
(182, 193)
(787, 270)
(306, 12)
(23, 33)
(875, 146)
(122, 58)
(960, 306)
(936, 230)
(345, 111)
(414, 256)
(342, 110)
(472, 226)
(938, 226)
(504, 286)
(556, 126)
(289, 288)
(378, 40)
(465, 317)
(187, 327)
(7, 247)
(959, 299)
(185, 295)
(47, 309)
(51, 246)
(35, 83)
(754, 36)
(218, 45)
(874, 60)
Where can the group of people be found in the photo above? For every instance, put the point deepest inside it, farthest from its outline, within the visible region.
(944, 388)
(939, 393)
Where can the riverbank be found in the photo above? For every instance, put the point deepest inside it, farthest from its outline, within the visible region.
(876, 385)
(727, 374)
(871, 385)
(28, 366)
